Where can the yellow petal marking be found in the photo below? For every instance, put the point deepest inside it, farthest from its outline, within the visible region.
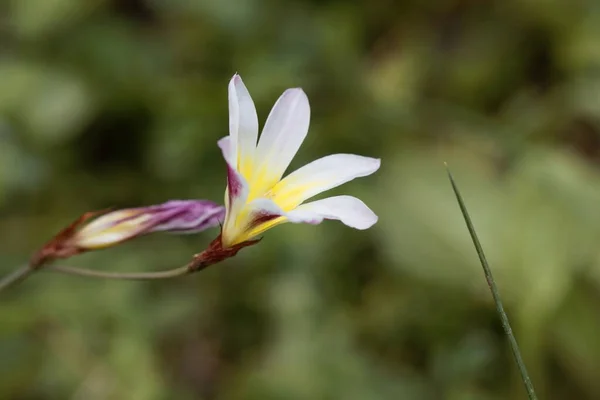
(262, 185)
(100, 239)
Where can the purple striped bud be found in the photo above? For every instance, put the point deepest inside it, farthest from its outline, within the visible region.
(114, 227)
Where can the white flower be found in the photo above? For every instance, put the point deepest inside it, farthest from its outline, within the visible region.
(257, 198)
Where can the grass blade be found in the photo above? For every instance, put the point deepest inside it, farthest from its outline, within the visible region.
(492, 285)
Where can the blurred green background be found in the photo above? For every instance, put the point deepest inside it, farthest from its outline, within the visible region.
(120, 103)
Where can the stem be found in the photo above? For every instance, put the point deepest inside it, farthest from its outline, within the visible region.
(492, 285)
(172, 273)
(23, 272)
(15, 277)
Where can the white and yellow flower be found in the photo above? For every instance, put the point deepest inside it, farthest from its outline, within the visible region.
(257, 198)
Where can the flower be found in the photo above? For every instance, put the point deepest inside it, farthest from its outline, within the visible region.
(112, 228)
(257, 198)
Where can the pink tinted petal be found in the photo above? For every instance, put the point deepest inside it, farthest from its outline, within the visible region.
(237, 187)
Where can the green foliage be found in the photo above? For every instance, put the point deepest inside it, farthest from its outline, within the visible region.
(120, 103)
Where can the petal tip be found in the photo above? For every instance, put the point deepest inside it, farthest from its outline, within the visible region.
(372, 165)
(235, 82)
(363, 218)
(297, 91)
(227, 149)
(224, 143)
(368, 222)
(376, 164)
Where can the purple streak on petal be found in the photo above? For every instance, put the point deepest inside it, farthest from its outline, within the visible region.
(235, 181)
(261, 218)
(188, 216)
(264, 210)
(177, 216)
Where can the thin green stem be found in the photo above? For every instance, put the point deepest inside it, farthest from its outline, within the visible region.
(23, 272)
(138, 276)
(15, 277)
(492, 285)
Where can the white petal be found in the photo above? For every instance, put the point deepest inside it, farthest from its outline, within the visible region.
(349, 210)
(284, 132)
(321, 175)
(227, 146)
(237, 186)
(243, 122)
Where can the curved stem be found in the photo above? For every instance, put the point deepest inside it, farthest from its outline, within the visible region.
(24, 271)
(15, 277)
(139, 276)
